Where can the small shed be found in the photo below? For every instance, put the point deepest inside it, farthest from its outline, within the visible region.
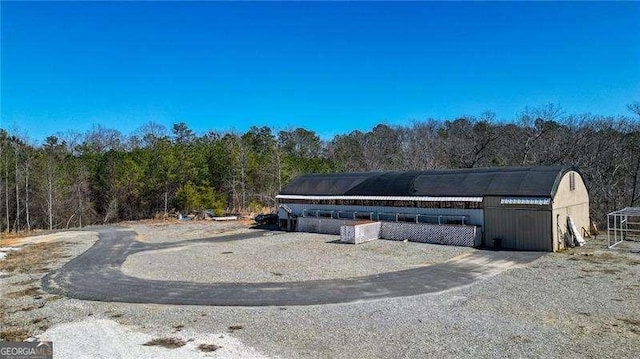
(524, 208)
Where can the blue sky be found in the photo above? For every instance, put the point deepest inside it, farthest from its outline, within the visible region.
(330, 67)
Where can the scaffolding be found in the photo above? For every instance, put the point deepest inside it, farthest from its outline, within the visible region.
(623, 225)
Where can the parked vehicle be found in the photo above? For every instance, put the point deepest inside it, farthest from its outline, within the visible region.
(271, 218)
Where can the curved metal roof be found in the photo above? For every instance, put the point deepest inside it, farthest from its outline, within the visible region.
(493, 181)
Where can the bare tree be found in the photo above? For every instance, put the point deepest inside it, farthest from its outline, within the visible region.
(16, 226)
(469, 143)
(419, 143)
(52, 148)
(347, 151)
(381, 148)
(4, 147)
(635, 149)
(28, 162)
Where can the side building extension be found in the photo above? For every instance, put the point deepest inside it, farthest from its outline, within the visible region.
(524, 208)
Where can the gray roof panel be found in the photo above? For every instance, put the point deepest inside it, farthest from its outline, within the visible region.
(495, 181)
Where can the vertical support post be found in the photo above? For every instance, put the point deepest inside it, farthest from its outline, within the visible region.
(609, 229)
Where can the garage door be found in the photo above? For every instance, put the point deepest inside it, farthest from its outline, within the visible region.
(519, 229)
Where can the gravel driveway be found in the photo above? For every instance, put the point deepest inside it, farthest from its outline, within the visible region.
(285, 257)
(97, 275)
(582, 303)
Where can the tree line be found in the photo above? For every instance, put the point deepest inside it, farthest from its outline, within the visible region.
(102, 176)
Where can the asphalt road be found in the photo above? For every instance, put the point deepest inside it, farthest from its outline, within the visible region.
(96, 275)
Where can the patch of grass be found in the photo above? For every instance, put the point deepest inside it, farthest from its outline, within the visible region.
(14, 334)
(208, 347)
(169, 342)
(178, 328)
(27, 282)
(235, 327)
(38, 320)
(610, 271)
(13, 238)
(32, 258)
(603, 270)
(634, 322)
(29, 292)
(603, 258)
(521, 339)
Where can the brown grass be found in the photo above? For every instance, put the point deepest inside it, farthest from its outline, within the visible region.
(14, 334)
(634, 322)
(235, 327)
(208, 347)
(13, 239)
(170, 342)
(43, 327)
(32, 258)
(602, 270)
(29, 292)
(603, 258)
(521, 339)
(27, 282)
(38, 320)
(153, 222)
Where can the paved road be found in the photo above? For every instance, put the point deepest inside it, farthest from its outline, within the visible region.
(96, 275)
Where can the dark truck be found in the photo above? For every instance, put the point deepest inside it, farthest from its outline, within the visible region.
(271, 218)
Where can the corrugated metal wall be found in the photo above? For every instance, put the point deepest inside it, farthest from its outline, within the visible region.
(520, 227)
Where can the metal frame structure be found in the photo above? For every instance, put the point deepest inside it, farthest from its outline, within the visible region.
(387, 216)
(623, 225)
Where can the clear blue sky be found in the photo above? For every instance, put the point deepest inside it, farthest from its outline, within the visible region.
(331, 67)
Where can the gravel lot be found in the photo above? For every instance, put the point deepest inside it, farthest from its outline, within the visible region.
(284, 258)
(177, 231)
(581, 303)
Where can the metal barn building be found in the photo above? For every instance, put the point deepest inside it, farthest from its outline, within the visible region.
(525, 208)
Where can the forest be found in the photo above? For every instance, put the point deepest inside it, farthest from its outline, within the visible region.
(76, 179)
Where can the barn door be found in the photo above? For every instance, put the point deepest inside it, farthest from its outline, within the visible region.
(533, 230)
